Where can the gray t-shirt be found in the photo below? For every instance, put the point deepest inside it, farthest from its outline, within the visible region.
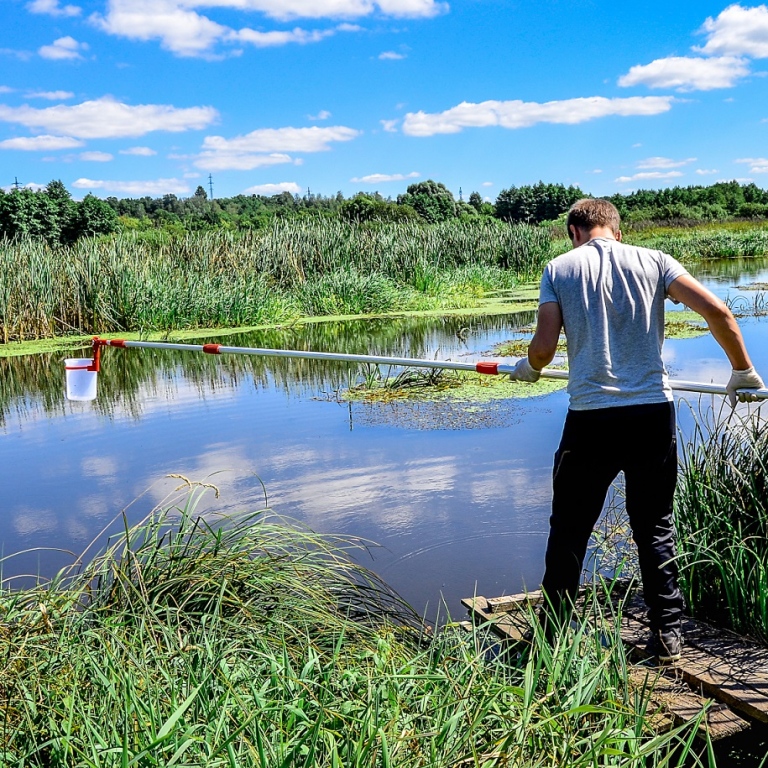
(612, 297)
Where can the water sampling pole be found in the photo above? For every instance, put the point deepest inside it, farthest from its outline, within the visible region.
(82, 372)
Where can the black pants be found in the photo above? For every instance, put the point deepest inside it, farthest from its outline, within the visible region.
(597, 445)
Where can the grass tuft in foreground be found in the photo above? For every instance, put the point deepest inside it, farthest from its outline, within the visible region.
(722, 519)
(250, 642)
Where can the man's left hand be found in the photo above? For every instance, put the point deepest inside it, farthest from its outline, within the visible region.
(747, 379)
(524, 371)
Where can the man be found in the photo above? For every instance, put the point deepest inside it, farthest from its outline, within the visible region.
(609, 299)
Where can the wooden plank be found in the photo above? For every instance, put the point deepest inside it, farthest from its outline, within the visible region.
(508, 626)
(737, 656)
(672, 703)
(705, 673)
(508, 603)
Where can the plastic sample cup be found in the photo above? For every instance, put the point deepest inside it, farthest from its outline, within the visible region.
(81, 383)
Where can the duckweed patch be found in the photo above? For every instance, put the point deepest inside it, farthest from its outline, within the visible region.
(441, 386)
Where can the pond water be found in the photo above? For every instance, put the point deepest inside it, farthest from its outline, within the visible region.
(455, 495)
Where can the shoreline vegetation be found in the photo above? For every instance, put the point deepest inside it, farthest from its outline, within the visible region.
(152, 285)
(251, 641)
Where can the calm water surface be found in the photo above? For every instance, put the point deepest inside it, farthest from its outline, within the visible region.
(457, 497)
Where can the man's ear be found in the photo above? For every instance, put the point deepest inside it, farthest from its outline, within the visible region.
(618, 235)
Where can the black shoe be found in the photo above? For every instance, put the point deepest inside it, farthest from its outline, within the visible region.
(666, 645)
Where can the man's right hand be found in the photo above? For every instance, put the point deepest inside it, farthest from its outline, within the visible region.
(748, 379)
(524, 371)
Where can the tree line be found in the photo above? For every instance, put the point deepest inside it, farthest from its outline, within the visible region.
(53, 215)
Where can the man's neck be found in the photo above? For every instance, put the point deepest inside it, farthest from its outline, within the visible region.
(583, 236)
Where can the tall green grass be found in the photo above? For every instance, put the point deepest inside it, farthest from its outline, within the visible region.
(293, 268)
(249, 642)
(722, 522)
(696, 245)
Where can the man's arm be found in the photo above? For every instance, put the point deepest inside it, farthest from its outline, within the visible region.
(543, 346)
(726, 332)
(689, 291)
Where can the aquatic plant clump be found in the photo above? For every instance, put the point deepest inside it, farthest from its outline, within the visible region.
(251, 642)
(722, 519)
(382, 384)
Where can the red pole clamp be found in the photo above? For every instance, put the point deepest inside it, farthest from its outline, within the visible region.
(491, 368)
(97, 345)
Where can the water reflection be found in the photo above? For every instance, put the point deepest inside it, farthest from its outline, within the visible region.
(32, 385)
(456, 509)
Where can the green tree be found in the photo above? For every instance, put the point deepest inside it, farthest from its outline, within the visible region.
(432, 200)
(91, 216)
(475, 201)
(537, 203)
(24, 213)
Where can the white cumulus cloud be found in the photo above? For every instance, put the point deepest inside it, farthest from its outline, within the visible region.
(52, 8)
(687, 73)
(391, 56)
(155, 188)
(521, 114)
(277, 37)
(62, 49)
(185, 32)
(268, 146)
(757, 164)
(96, 157)
(738, 31)
(50, 95)
(323, 114)
(332, 9)
(379, 178)
(706, 172)
(273, 189)
(239, 161)
(663, 162)
(649, 175)
(487, 183)
(138, 151)
(107, 118)
(40, 143)
(390, 126)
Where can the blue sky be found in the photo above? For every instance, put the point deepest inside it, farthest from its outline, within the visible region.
(135, 97)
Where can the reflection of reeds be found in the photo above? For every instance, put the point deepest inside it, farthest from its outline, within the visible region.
(250, 642)
(39, 379)
(722, 520)
(133, 283)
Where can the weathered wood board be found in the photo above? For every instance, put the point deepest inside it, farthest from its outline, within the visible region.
(719, 671)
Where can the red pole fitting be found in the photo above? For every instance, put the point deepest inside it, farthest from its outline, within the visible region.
(212, 349)
(97, 345)
(489, 368)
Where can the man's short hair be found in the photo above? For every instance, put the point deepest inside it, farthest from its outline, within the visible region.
(589, 213)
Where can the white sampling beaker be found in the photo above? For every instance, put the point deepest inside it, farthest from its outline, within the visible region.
(81, 378)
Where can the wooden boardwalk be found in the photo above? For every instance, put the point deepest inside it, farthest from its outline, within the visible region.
(718, 668)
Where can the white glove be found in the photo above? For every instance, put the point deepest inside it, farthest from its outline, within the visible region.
(524, 371)
(748, 379)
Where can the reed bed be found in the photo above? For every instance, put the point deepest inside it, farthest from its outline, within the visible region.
(707, 244)
(293, 268)
(722, 522)
(250, 642)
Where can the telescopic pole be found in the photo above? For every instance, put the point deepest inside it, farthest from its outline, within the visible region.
(484, 367)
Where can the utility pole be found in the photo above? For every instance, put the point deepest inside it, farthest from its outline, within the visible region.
(16, 184)
(210, 185)
(460, 197)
